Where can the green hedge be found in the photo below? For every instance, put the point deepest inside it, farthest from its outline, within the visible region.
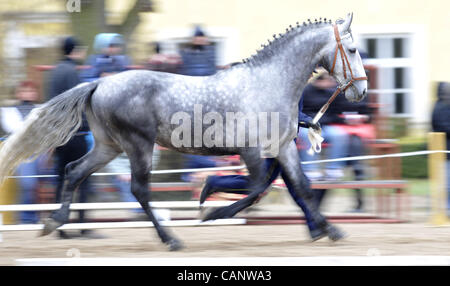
(415, 166)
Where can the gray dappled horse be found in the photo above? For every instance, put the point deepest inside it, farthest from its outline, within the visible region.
(132, 110)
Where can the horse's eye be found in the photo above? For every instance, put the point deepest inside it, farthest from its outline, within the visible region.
(352, 50)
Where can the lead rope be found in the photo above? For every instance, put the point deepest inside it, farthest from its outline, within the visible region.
(314, 135)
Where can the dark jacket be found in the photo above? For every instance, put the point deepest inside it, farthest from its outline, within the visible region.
(314, 98)
(440, 119)
(302, 116)
(104, 64)
(62, 78)
(199, 61)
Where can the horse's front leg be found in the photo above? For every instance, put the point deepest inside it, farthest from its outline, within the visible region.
(292, 171)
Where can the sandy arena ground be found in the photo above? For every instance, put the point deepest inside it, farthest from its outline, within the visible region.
(416, 237)
(235, 241)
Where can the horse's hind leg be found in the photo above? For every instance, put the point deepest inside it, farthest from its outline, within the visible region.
(76, 172)
(140, 155)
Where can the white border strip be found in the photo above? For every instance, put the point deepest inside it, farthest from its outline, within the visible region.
(244, 261)
(113, 206)
(129, 224)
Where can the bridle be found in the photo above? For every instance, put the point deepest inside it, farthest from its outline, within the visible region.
(314, 136)
(345, 65)
(340, 48)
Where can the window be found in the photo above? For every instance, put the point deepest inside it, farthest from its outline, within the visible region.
(392, 55)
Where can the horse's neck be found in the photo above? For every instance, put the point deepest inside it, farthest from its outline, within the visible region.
(294, 63)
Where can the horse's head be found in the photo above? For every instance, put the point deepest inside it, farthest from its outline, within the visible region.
(343, 62)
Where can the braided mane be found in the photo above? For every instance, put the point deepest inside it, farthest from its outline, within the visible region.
(280, 40)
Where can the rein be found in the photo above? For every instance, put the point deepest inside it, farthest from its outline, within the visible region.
(315, 136)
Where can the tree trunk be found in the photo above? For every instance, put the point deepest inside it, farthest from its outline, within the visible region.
(92, 20)
(89, 22)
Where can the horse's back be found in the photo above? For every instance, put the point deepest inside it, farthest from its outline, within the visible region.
(145, 102)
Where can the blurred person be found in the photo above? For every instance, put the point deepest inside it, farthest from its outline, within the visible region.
(64, 77)
(315, 95)
(121, 165)
(108, 58)
(240, 184)
(163, 63)
(198, 59)
(345, 128)
(440, 122)
(231, 181)
(199, 162)
(355, 121)
(11, 120)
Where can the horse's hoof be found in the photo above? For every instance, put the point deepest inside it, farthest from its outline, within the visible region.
(217, 214)
(335, 233)
(317, 234)
(174, 244)
(49, 226)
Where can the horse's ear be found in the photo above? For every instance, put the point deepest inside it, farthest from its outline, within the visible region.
(347, 22)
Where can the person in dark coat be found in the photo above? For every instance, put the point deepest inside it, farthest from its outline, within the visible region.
(65, 75)
(440, 121)
(315, 95)
(12, 119)
(62, 78)
(356, 123)
(199, 58)
(336, 123)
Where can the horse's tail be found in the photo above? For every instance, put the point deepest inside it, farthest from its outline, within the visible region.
(46, 127)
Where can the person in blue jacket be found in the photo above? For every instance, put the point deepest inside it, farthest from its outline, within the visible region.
(108, 59)
(199, 57)
(440, 122)
(240, 184)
